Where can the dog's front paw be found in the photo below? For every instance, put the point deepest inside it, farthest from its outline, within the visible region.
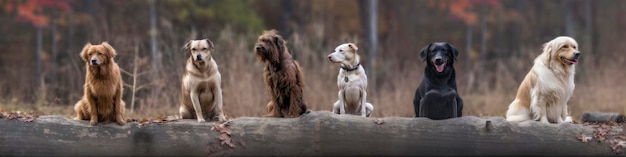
(222, 119)
(201, 120)
(121, 123)
(93, 122)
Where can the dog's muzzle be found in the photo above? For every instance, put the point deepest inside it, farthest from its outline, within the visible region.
(438, 61)
(576, 55)
(259, 48)
(199, 57)
(94, 62)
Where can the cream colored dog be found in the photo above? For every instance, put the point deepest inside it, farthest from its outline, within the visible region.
(352, 82)
(201, 91)
(544, 93)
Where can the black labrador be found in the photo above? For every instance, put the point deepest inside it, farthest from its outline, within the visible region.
(437, 97)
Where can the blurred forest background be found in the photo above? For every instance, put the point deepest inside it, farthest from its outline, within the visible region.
(497, 39)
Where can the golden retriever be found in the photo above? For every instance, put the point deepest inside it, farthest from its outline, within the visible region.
(102, 100)
(352, 82)
(283, 76)
(545, 90)
(201, 90)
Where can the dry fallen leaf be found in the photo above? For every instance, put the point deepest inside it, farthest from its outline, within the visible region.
(584, 138)
(21, 116)
(243, 143)
(379, 121)
(618, 146)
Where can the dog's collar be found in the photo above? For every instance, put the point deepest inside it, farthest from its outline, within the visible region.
(351, 69)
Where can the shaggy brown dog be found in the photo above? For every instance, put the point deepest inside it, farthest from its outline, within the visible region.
(282, 75)
(102, 100)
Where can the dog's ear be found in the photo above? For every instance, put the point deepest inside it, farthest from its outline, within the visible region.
(211, 46)
(353, 47)
(110, 50)
(424, 53)
(549, 48)
(455, 52)
(186, 47)
(83, 53)
(279, 43)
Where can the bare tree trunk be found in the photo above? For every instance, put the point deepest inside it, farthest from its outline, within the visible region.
(589, 24)
(568, 24)
(153, 37)
(38, 79)
(53, 68)
(483, 50)
(468, 50)
(153, 43)
(368, 12)
(373, 31)
(315, 134)
(285, 16)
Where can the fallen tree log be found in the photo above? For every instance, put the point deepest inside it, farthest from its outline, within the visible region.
(314, 134)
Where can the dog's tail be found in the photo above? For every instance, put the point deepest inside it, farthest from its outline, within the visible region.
(517, 113)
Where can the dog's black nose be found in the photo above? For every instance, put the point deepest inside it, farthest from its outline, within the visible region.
(93, 61)
(576, 54)
(199, 57)
(259, 48)
(438, 61)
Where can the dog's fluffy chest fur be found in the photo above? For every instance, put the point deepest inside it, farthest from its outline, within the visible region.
(556, 89)
(102, 81)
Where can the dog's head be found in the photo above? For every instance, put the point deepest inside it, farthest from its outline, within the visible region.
(200, 49)
(269, 47)
(344, 54)
(561, 50)
(96, 55)
(440, 55)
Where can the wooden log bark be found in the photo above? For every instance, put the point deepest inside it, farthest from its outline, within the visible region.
(315, 134)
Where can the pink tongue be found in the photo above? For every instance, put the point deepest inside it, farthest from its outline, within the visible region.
(440, 67)
(573, 61)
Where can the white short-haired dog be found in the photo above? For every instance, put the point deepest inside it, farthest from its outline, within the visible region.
(352, 82)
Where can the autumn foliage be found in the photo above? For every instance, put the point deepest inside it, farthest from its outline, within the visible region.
(33, 11)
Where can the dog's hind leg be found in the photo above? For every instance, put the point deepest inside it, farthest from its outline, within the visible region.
(538, 108)
(119, 106)
(363, 103)
(422, 109)
(459, 103)
(336, 107)
(184, 113)
(219, 101)
(454, 108)
(369, 109)
(81, 109)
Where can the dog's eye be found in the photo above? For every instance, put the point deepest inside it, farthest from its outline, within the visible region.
(574, 47)
(99, 53)
(193, 49)
(204, 48)
(340, 50)
(565, 46)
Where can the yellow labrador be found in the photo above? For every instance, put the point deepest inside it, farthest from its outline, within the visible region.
(201, 91)
(352, 82)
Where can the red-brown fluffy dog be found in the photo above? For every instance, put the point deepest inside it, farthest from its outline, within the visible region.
(282, 75)
(102, 100)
